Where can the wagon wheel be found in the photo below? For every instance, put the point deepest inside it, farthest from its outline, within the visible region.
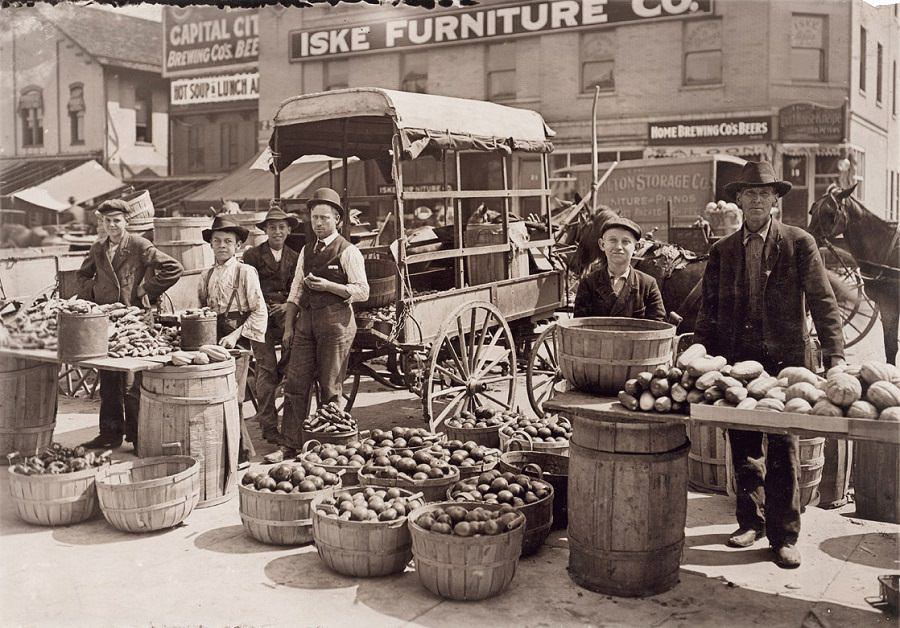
(859, 315)
(543, 378)
(470, 370)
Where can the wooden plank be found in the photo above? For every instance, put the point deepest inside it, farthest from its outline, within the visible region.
(606, 408)
(128, 365)
(454, 253)
(449, 194)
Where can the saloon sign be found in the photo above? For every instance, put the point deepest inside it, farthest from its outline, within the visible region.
(448, 27)
(207, 38)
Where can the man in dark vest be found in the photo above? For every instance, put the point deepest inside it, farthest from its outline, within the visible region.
(319, 326)
(275, 264)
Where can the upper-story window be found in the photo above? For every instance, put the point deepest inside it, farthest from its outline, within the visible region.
(863, 51)
(336, 75)
(31, 112)
(703, 52)
(879, 73)
(143, 115)
(808, 45)
(414, 72)
(501, 71)
(598, 61)
(76, 110)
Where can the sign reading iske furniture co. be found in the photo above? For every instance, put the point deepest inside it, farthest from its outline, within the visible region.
(207, 39)
(445, 26)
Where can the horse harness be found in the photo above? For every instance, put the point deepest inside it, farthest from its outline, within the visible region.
(879, 270)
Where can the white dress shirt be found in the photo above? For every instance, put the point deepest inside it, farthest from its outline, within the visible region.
(222, 281)
(353, 264)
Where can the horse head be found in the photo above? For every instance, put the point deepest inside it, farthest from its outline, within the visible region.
(830, 214)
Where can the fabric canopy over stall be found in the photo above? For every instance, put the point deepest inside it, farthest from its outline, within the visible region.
(367, 119)
(83, 183)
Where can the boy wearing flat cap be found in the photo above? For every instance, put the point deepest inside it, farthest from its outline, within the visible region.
(122, 268)
(275, 263)
(617, 289)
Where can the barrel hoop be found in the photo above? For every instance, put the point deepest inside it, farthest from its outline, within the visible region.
(648, 555)
(699, 458)
(186, 401)
(55, 500)
(373, 552)
(615, 361)
(37, 429)
(151, 507)
(296, 523)
(437, 563)
(662, 456)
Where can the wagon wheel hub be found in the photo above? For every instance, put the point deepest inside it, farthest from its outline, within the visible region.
(474, 386)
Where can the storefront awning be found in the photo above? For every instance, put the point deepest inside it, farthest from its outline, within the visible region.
(83, 183)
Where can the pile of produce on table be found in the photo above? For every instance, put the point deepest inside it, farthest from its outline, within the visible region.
(330, 419)
(57, 459)
(370, 504)
(199, 312)
(409, 465)
(204, 355)
(482, 417)
(549, 428)
(450, 519)
(402, 437)
(131, 334)
(494, 487)
(303, 477)
(867, 391)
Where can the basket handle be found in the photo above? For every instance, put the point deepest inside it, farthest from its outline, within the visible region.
(177, 446)
(419, 495)
(514, 439)
(306, 446)
(534, 465)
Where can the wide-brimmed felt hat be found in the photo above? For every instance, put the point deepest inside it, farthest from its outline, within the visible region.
(326, 196)
(622, 223)
(276, 213)
(223, 223)
(757, 174)
(113, 206)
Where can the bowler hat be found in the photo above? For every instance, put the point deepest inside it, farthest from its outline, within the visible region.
(326, 196)
(223, 223)
(756, 174)
(622, 223)
(276, 213)
(113, 206)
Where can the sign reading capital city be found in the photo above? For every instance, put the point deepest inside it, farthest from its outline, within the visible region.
(454, 26)
(203, 38)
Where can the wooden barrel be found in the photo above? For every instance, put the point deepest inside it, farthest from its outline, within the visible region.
(487, 436)
(279, 518)
(82, 336)
(627, 506)
(597, 353)
(54, 499)
(248, 220)
(180, 229)
(142, 226)
(875, 481)
(707, 470)
(432, 489)
(551, 468)
(835, 484)
(193, 410)
(812, 461)
(464, 568)
(362, 548)
(149, 494)
(28, 398)
(383, 278)
(192, 255)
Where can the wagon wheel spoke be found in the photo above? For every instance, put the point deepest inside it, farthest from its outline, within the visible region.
(495, 379)
(484, 330)
(502, 404)
(450, 407)
(543, 377)
(488, 366)
(463, 368)
(453, 390)
(451, 374)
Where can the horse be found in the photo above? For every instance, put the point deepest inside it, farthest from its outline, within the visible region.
(875, 246)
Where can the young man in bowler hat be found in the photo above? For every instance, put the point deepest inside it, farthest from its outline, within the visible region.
(319, 326)
(122, 268)
(754, 289)
(275, 263)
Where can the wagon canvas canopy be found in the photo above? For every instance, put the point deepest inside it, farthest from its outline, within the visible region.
(367, 118)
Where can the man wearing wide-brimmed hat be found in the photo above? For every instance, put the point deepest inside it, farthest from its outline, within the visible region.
(275, 262)
(756, 288)
(122, 267)
(319, 325)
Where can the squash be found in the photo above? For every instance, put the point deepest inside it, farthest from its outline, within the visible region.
(628, 400)
(842, 389)
(747, 370)
(646, 401)
(707, 380)
(798, 405)
(803, 390)
(725, 382)
(695, 395)
(890, 414)
(663, 404)
(823, 407)
(773, 405)
(834, 370)
(723, 403)
(871, 372)
(690, 354)
(701, 366)
(795, 374)
(776, 393)
(747, 404)
(862, 410)
(883, 395)
(713, 394)
(735, 394)
(783, 382)
(761, 385)
(678, 392)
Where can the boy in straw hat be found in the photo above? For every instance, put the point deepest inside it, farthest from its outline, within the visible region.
(122, 267)
(275, 262)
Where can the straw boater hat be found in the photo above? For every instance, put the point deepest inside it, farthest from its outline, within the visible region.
(326, 196)
(224, 223)
(113, 206)
(276, 213)
(622, 223)
(756, 174)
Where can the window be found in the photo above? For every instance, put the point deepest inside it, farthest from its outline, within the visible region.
(336, 75)
(414, 73)
(228, 145)
(703, 52)
(195, 147)
(31, 111)
(598, 53)
(143, 115)
(879, 75)
(862, 59)
(808, 37)
(501, 74)
(76, 113)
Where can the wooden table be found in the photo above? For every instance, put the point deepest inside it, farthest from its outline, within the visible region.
(125, 365)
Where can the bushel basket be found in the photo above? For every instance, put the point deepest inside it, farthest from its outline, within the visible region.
(54, 499)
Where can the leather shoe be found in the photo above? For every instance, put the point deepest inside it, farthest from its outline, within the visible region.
(787, 556)
(279, 455)
(745, 537)
(103, 442)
